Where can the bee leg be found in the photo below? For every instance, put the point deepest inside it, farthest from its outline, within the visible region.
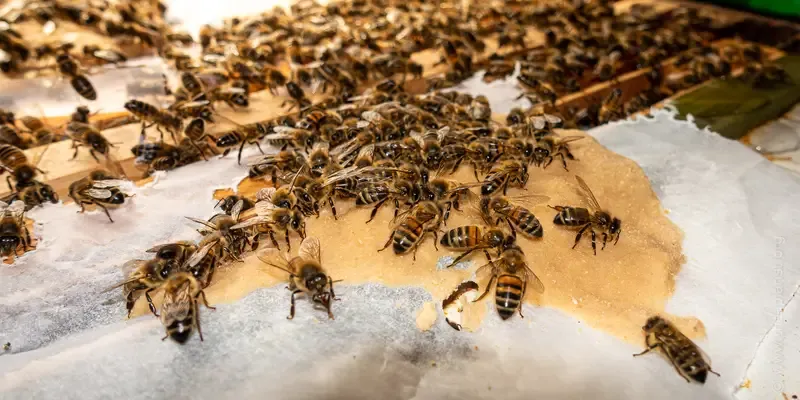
(513, 230)
(288, 244)
(75, 154)
(388, 242)
(225, 153)
(713, 372)
(605, 239)
(465, 254)
(105, 210)
(647, 350)
(375, 209)
(549, 161)
(333, 207)
(274, 242)
(94, 155)
(619, 233)
(435, 239)
(330, 283)
(291, 308)
(8, 180)
(258, 145)
(150, 304)
(205, 301)
(485, 292)
(580, 233)
(563, 161)
(594, 242)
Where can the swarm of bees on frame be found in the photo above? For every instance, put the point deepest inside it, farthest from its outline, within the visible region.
(384, 145)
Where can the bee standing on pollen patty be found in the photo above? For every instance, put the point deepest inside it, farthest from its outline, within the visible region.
(306, 275)
(601, 220)
(512, 274)
(687, 358)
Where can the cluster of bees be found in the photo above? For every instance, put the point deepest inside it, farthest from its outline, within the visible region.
(124, 22)
(389, 147)
(382, 145)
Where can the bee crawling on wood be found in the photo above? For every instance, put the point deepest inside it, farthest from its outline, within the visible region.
(306, 275)
(601, 220)
(687, 358)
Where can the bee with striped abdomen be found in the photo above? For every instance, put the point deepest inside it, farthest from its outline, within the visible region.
(151, 115)
(512, 274)
(687, 358)
(423, 218)
(470, 238)
(494, 209)
(550, 147)
(69, 68)
(599, 221)
(504, 174)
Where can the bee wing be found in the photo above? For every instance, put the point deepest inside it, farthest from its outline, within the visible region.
(321, 146)
(127, 269)
(417, 137)
(588, 192)
(16, 208)
(265, 194)
(197, 103)
(310, 249)
(528, 200)
(202, 222)
(109, 55)
(237, 208)
(539, 122)
(198, 255)
(567, 139)
(275, 259)
(98, 193)
(553, 119)
(342, 174)
(233, 90)
(366, 151)
(371, 116)
(108, 183)
(442, 133)
(362, 124)
(482, 277)
(251, 222)
(533, 280)
(3, 206)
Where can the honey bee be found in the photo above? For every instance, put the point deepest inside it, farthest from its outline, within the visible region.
(307, 276)
(69, 67)
(244, 134)
(512, 274)
(297, 96)
(285, 160)
(600, 221)
(14, 161)
(81, 114)
(494, 209)
(274, 79)
(151, 115)
(270, 218)
(532, 86)
(501, 176)
(295, 137)
(179, 312)
(551, 146)
(423, 218)
(35, 194)
(234, 97)
(470, 238)
(688, 359)
(606, 69)
(13, 230)
(9, 135)
(227, 203)
(145, 275)
(540, 125)
(611, 107)
(100, 189)
(221, 230)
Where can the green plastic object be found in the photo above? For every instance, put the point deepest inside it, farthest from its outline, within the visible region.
(785, 8)
(733, 108)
